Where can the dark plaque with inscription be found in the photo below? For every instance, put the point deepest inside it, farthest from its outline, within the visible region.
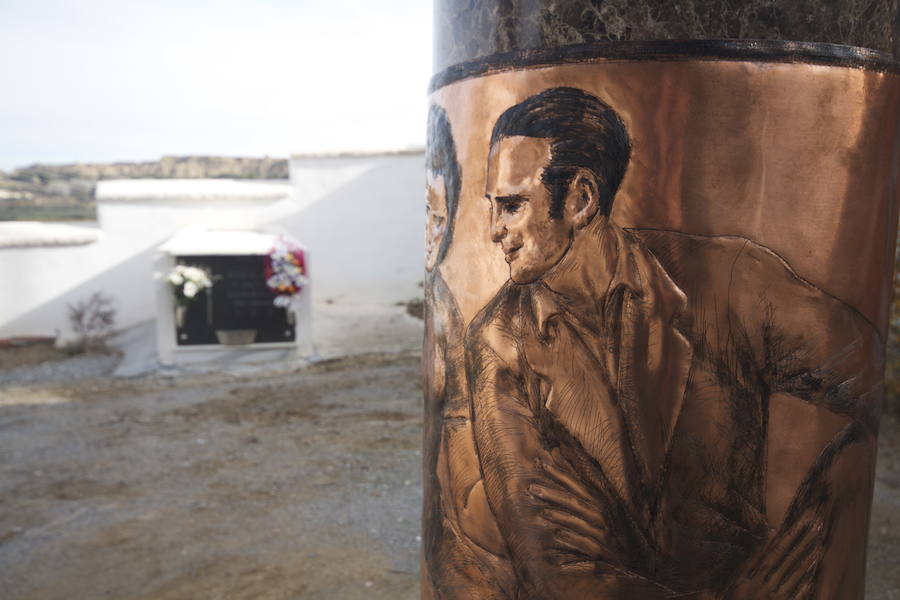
(239, 300)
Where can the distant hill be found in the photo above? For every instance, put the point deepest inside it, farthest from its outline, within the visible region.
(168, 167)
(66, 192)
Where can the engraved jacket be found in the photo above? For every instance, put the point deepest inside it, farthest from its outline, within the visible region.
(653, 406)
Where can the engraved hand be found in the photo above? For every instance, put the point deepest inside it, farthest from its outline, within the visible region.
(785, 567)
(587, 526)
(580, 534)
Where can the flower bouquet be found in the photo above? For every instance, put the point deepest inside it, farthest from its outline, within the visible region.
(187, 281)
(285, 268)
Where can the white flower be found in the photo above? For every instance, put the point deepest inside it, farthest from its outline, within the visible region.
(282, 301)
(175, 278)
(190, 289)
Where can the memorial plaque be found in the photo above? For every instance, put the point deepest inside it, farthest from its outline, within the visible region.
(239, 300)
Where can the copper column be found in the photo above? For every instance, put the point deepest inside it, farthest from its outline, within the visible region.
(658, 277)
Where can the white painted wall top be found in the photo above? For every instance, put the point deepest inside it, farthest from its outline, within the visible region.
(198, 242)
(132, 190)
(411, 151)
(33, 234)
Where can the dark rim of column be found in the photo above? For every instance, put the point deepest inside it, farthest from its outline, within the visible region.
(816, 53)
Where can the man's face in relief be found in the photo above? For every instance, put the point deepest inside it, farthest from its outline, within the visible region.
(435, 217)
(531, 239)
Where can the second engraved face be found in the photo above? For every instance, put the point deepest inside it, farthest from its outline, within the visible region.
(435, 217)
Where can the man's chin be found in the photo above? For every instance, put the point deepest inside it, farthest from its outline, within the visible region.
(522, 278)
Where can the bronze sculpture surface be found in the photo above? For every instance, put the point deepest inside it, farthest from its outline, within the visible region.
(633, 393)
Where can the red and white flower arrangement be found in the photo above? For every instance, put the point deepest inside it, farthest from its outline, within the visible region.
(285, 268)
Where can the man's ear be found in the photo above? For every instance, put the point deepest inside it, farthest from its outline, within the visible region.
(582, 199)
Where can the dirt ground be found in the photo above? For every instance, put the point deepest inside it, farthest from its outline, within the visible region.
(301, 484)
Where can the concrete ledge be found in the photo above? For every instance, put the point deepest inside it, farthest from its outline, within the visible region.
(33, 234)
(204, 190)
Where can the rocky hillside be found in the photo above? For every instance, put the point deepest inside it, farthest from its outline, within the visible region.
(55, 200)
(168, 167)
(66, 192)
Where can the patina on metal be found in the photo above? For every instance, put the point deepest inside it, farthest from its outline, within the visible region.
(658, 279)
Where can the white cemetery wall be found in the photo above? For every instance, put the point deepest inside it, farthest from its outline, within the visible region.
(361, 217)
(39, 283)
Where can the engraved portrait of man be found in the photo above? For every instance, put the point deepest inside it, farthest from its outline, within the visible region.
(624, 384)
(460, 536)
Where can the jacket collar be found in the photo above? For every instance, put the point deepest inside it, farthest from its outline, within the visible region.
(603, 260)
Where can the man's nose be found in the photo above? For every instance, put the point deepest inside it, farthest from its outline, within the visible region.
(498, 228)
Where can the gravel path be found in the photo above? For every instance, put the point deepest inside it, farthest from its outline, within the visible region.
(301, 485)
(77, 368)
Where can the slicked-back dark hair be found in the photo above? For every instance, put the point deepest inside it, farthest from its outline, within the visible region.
(584, 132)
(440, 159)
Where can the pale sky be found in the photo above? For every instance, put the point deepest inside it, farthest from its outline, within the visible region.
(121, 80)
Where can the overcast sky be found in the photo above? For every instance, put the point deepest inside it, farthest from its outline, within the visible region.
(113, 80)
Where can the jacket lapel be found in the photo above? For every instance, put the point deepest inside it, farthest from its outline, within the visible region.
(653, 358)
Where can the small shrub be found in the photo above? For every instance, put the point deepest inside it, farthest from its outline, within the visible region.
(92, 320)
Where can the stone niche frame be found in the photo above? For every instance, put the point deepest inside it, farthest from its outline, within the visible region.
(204, 242)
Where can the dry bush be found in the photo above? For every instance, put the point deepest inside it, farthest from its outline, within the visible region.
(92, 320)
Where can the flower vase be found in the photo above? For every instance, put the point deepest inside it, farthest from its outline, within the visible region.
(180, 316)
(290, 314)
